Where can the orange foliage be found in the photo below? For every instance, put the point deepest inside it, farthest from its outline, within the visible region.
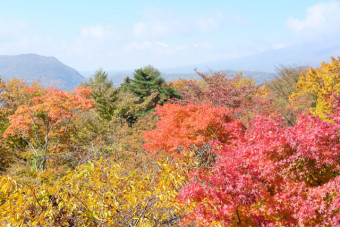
(180, 127)
(44, 121)
(46, 111)
(14, 93)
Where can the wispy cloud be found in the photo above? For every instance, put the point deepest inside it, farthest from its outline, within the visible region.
(276, 46)
(157, 23)
(321, 21)
(100, 32)
(10, 28)
(162, 36)
(15, 35)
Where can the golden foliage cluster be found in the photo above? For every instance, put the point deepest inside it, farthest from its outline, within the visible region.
(319, 86)
(100, 193)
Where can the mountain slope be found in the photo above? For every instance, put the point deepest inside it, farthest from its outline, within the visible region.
(299, 55)
(261, 67)
(306, 54)
(31, 67)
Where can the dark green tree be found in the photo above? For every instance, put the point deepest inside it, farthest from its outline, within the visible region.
(146, 82)
(103, 92)
(150, 89)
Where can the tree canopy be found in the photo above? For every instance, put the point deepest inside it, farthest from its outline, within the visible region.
(103, 93)
(230, 152)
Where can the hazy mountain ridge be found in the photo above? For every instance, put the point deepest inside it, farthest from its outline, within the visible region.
(259, 77)
(260, 66)
(306, 54)
(118, 77)
(48, 70)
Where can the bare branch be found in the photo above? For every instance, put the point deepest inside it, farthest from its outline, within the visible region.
(68, 123)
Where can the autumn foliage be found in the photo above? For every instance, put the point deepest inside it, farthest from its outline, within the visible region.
(226, 152)
(44, 121)
(281, 176)
(46, 112)
(319, 85)
(181, 127)
(97, 194)
(237, 93)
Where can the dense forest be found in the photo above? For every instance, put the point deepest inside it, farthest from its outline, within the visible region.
(219, 151)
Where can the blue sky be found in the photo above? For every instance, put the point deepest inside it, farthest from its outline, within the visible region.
(119, 35)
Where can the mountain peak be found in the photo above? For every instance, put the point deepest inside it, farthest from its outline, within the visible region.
(31, 67)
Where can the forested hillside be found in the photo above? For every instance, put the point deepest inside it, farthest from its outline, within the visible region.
(219, 151)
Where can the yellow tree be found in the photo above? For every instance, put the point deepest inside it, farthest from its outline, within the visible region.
(101, 193)
(319, 85)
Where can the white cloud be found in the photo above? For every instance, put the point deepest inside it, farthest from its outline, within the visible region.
(100, 32)
(164, 48)
(322, 20)
(159, 37)
(157, 23)
(15, 35)
(207, 24)
(276, 46)
(94, 43)
(14, 28)
(156, 28)
(203, 45)
(138, 46)
(162, 45)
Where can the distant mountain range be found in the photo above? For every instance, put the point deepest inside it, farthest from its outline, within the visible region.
(48, 70)
(304, 54)
(118, 76)
(261, 66)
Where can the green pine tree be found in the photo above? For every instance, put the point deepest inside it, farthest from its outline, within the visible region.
(150, 89)
(146, 82)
